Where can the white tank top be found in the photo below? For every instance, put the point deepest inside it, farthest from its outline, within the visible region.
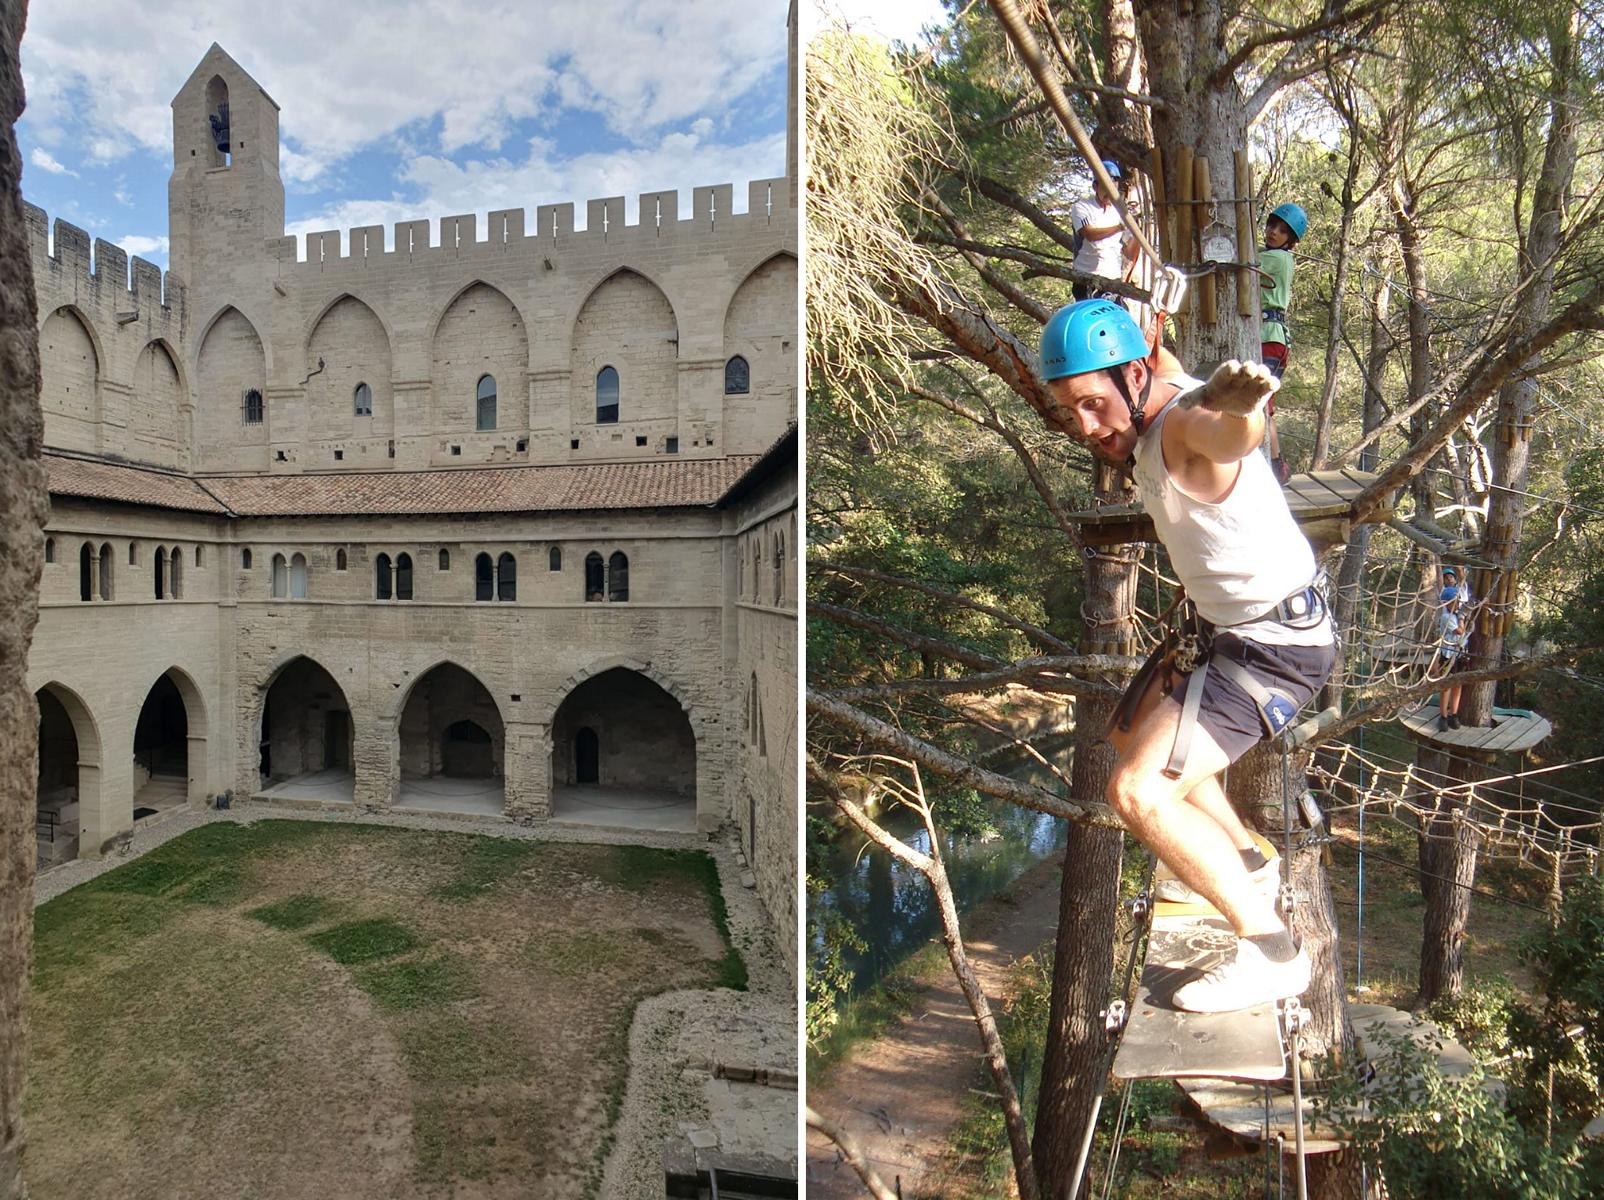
(1238, 558)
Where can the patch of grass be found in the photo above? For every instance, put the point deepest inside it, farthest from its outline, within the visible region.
(417, 983)
(150, 876)
(487, 862)
(442, 1048)
(219, 887)
(364, 941)
(730, 971)
(581, 953)
(871, 1013)
(294, 912)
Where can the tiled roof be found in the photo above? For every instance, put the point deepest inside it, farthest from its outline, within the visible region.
(685, 483)
(99, 480)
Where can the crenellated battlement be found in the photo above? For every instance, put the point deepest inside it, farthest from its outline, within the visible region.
(77, 265)
(712, 214)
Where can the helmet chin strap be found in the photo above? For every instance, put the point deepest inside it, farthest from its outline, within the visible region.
(1137, 406)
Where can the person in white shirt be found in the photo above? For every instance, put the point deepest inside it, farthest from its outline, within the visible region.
(1102, 246)
(1249, 572)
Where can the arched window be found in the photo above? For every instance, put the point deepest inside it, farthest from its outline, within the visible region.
(381, 577)
(506, 578)
(133, 554)
(217, 120)
(485, 394)
(445, 559)
(362, 400)
(595, 578)
(86, 572)
(606, 396)
(554, 560)
(281, 577)
(160, 563)
(737, 377)
(245, 560)
(50, 550)
(779, 567)
(105, 571)
(298, 577)
(339, 559)
(618, 576)
(403, 577)
(484, 579)
(253, 406)
(175, 572)
(199, 559)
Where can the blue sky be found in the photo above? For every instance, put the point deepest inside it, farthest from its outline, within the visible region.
(406, 109)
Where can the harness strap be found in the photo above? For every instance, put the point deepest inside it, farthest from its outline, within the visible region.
(1190, 707)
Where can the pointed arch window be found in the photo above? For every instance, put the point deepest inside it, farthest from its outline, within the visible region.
(737, 377)
(506, 577)
(281, 577)
(403, 577)
(362, 400)
(199, 557)
(86, 572)
(105, 571)
(606, 396)
(779, 568)
(50, 550)
(618, 576)
(339, 560)
(245, 560)
(484, 578)
(595, 578)
(486, 397)
(175, 573)
(381, 577)
(554, 559)
(160, 562)
(445, 559)
(298, 577)
(253, 406)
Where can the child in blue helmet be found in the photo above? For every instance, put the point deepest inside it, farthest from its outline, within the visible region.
(1282, 231)
(1099, 237)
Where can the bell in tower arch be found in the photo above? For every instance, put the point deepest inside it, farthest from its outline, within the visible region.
(219, 121)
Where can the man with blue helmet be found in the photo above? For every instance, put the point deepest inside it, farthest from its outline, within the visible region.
(1265, 640)
(1100, 247)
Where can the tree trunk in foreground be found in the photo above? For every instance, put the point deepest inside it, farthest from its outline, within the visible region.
(23, 501)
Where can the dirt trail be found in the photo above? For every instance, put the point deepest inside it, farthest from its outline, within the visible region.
(902, 1094)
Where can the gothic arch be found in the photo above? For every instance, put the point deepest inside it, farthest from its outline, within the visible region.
(95, 340)
(84, 726)
(440, 314)
(204, 331)
(623, 662)
(194, 701)
(404, 693)
(751, 269)
(311, 326)
(594, 284)
(256, 712)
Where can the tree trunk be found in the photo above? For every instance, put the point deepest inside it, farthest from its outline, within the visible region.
(24, 502)
(1075, 1066)
(1449, 844)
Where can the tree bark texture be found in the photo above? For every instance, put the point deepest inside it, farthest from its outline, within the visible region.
(24, 502)
(1075, 1065)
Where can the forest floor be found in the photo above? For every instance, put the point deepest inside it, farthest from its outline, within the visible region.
(919, 1099)
(297, 1008)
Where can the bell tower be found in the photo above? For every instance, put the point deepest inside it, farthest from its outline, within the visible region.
(224, 197)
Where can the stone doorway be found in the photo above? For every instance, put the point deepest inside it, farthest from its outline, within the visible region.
(161, 751)
(624, 755)
(306, 737)
(68, 777)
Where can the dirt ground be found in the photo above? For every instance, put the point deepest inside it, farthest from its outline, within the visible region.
(180, 1046)
(903, 1094)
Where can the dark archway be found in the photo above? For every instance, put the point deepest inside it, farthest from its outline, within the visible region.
(587, 756)
(452, 744)
(161, 750)
(307, 739)
(623, 752)
(69, 773)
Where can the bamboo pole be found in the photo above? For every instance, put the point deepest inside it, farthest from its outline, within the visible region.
(1182, 250)
(1208, 310)
(1247, 294)
(1165, 214)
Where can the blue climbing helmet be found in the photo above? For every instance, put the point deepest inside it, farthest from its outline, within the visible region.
(1095, 335)
(1112, 168)
(1293, 217)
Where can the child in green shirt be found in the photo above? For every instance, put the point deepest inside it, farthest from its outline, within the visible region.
(1282, 231)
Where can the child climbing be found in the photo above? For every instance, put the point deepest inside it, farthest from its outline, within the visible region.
(1282, 231)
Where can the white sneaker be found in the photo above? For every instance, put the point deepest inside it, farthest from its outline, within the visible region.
(1244, 981)
(1266, 880)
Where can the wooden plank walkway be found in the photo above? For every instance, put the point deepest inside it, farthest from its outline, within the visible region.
(1322, 503)
(1512, 730)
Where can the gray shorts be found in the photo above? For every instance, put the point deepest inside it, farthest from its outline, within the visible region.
(1229, 714)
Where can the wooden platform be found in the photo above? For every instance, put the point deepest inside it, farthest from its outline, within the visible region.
(1161, 1042)
(1322, 503)
(1512, 730)
(1239, 1107)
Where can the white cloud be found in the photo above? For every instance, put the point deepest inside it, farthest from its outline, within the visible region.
(677, 161)
(42, 158)
(893, 20)
(143, 246)
(474, 69)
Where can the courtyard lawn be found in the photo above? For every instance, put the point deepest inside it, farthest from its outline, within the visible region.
(298, 1008)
